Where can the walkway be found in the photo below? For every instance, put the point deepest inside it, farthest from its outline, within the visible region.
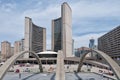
(51, 76)
(30, 76)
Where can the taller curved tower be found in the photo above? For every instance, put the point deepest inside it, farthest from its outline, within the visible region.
(62, 31)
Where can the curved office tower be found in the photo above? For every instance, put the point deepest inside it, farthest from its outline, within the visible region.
(35, 37)
(62, 31)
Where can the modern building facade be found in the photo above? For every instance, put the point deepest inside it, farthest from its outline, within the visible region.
(5, 50)
(110, 43)
(62, 31)
(35, 37)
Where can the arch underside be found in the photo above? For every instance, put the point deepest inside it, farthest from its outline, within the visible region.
(5, 67)
(114, 66)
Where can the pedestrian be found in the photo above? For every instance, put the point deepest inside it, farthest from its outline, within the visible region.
(102, 76)
(19, 75)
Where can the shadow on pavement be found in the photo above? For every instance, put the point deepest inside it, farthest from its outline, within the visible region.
(77, 76)
(30, 76)
(53, 77)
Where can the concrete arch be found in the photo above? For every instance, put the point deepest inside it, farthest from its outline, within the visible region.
(5, 67)
(114, 66)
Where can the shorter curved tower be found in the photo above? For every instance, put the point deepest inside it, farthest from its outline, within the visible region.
(35, 37)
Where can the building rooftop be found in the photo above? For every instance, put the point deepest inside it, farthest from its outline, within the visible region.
(47, 52)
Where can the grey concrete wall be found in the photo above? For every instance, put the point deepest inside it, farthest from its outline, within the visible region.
(28, 26)
(52, 36)
(44, 39)
(67, 29)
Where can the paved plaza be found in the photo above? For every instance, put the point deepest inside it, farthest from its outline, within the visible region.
(51, 76)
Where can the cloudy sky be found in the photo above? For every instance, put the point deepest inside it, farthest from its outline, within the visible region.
(90, 18)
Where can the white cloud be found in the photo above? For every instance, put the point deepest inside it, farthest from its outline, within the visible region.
(8, 7)
(103, 8)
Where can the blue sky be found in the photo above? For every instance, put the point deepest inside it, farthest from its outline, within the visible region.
(90, 18)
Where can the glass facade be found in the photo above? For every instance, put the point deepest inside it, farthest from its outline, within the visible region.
(57, 35)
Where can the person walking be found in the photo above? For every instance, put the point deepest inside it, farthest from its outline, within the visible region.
(19, 75)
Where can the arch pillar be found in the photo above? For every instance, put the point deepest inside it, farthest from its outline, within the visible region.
(82, 58)
(114, 66)
(5, 67)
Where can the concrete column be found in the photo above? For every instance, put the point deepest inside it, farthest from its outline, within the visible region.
(60, 72)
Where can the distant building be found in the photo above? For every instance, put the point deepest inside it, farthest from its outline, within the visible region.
(0, 54)
(62, 31)
(81, 51)
(12, 51)
(73, 47)
(110, 43)
(17, 47)
(5, 49)
(92, 43)
(35, 37)
(22, 44)
(92, 46)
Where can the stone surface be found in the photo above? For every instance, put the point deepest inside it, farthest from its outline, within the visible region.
(51, 76)
(114, 66)
(60, 72)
